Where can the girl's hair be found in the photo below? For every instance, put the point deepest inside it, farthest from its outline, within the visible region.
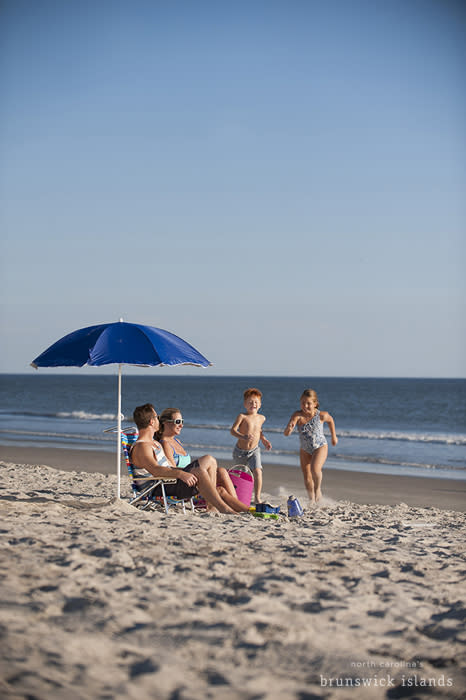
(310, 394)
(166, 415)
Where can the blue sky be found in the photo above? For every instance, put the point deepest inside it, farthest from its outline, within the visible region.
(280, 183)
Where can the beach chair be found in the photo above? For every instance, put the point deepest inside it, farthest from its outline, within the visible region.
(145, 496)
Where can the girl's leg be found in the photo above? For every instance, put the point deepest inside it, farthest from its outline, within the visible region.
(317, 462)
(306, 459)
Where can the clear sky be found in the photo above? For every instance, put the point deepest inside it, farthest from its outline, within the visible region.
(281, 183)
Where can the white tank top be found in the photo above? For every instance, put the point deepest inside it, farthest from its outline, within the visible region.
(159, 455)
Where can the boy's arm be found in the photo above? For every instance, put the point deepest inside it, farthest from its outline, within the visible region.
(234, 429)
(291, 424)
(267, 444)
(327, 418)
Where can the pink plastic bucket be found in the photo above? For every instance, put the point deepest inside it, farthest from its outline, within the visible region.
(243, 482)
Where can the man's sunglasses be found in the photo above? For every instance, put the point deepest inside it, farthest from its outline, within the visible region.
(177, 421)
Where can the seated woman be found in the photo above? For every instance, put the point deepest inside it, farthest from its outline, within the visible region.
(171, 425)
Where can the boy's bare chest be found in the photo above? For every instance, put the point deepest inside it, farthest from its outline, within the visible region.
(252, 422)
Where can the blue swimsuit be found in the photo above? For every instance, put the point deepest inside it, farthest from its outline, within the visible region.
(311, 434)
(181, 461)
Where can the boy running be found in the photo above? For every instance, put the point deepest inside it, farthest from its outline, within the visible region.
(247, 428)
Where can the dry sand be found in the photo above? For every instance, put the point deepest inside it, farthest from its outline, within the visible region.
(362, 597)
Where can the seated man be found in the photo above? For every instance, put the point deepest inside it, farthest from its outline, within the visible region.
(148, 457)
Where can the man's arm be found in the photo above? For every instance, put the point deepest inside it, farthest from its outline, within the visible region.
(142, 456)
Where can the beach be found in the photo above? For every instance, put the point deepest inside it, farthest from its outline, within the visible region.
(361, 597)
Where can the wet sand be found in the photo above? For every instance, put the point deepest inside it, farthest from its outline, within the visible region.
(338, 484)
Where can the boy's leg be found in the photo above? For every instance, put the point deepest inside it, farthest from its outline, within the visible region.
(255, 464)
(317, 462)
(257, 484)
(305, 459)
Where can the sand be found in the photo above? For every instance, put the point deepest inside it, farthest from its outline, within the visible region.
(362, 597)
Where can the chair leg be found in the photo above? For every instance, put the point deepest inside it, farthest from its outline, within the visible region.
(142, 494)
(164, 496)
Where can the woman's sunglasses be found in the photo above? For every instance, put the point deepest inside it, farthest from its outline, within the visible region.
(177, 421)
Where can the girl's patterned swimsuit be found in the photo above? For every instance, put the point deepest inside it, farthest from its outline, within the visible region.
(311, 434)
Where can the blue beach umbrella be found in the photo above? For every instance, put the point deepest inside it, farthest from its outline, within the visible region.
(122, 344)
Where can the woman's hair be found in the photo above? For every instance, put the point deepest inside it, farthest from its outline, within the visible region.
(310, 394)
(166, 415)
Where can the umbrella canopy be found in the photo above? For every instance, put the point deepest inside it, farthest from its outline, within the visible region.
(120, 343)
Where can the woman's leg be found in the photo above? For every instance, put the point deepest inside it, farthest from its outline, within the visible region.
(232, 501)
(305, 459)
(317, 462)
(209, 464)
(224, 479)
(207, 484)
(227, 491)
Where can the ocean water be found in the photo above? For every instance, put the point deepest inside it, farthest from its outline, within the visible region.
(394, 426)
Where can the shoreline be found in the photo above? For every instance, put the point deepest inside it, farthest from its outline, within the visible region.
(279, 480)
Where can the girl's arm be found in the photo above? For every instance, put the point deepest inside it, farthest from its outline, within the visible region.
(327, 418)
(291, 423)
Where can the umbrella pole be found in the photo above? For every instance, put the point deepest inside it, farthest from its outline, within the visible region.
(119, 432)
